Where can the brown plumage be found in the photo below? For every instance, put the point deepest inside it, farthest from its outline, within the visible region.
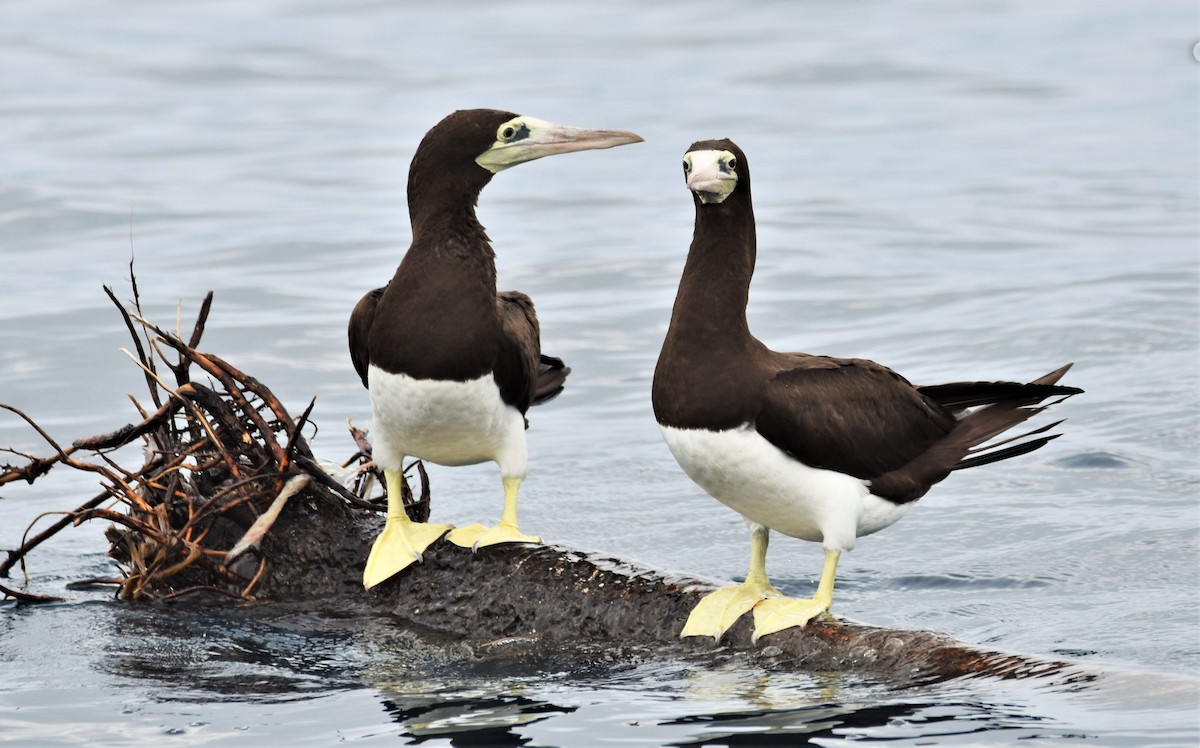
(440, 317)
(451, 365)
(520, 325)
(852, 416)
(820, 448)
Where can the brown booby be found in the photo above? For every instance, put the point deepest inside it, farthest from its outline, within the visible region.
(451, 365)
(819, 448)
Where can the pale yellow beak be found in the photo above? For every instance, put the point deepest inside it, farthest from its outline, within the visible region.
(534, 139)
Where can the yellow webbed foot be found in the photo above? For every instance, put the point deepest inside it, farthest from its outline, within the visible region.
(717, 612)
(776, 615)
(399, 545)
(477, 536)
(465, 536)
(784, 613)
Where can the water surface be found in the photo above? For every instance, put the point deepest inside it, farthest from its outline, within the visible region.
(984, 190)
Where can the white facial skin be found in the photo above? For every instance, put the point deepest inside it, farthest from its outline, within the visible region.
(524, 139)
(712, 175)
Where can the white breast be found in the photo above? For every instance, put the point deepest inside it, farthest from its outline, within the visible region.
(449, 423)
(750, 475)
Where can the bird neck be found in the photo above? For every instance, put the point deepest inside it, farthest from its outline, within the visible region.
(447, 235)
(706, 376)
(445, 291)
(715, 287)
(436, 205)
(443, 191)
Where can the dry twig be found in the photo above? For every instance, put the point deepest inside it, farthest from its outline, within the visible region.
(221, 458)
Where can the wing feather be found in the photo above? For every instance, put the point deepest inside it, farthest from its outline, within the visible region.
(359, 331)
(849, 415)
(518, 358)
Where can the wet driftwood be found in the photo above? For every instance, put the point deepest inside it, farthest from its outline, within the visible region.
(553, 597)
(231, 500)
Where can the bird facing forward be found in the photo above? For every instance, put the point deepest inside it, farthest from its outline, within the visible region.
(819, 448)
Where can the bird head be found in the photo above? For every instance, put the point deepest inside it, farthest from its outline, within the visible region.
(714, 169)
(518, 138)
(460, 154)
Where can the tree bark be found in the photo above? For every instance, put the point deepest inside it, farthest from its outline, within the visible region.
(553, 596)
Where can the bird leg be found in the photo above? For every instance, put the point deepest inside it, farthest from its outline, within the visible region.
(402, 541)
(477, 536)
(782, 613)
(718, 611)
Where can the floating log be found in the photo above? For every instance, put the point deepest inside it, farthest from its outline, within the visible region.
(548, 596)
(231, 500)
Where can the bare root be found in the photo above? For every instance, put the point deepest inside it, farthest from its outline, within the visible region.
(218, 455)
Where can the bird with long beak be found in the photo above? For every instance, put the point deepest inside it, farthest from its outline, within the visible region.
(819, 448)
(451, 365)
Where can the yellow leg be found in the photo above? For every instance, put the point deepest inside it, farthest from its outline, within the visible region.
(402, 541)
(477, 536)
(717, 612)
(777, 615)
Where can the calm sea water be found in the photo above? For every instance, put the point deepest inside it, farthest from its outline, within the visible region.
(959, 190)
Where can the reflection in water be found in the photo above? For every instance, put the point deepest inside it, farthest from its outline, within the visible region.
(791, 727)
(436, 688)
(767, 707)
(225, 653)
(524, 692)
(488, 720)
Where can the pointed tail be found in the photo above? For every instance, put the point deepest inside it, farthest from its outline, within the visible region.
(987, 409)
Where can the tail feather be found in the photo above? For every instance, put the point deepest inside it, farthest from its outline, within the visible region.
(984, 410)
(977, 427)
(1034, 432)
(982, 425)
(959, 396)
(552, 378)
(1003, 454)
(1054, 376)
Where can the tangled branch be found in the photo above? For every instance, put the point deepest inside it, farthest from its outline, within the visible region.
(221, 457)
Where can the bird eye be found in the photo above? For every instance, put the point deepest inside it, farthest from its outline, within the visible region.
(508, 132)
(731, 163)
(687, 166)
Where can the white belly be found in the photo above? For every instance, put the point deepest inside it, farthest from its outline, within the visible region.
(750, 475)
(449, 423)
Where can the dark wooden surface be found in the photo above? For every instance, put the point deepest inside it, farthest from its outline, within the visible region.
(551, 596)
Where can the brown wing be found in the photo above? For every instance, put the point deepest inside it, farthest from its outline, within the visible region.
(848, 415)
(863, 419)
(360, 331)
(535, 378)
(516, 369)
